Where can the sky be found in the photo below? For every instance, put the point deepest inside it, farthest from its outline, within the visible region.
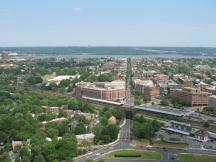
(108, 23)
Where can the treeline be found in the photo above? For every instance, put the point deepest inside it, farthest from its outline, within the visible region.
(104, 131)
(17, 123)
(144, 129)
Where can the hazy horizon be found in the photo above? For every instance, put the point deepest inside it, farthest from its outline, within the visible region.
(108, 23)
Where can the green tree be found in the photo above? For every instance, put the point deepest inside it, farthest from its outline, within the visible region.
(60, 150)
(5, 157)
(164, 102)
(147, 98)
(137, 101)
(80, 129)
(34, 79)
(64, 83)
(104, 121)
(113, 131)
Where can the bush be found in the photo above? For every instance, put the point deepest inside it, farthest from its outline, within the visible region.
(127, 155)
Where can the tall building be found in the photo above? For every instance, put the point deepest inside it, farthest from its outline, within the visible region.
(110, 91)
(193, 97)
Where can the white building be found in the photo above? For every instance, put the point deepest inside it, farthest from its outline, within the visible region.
(85, 137)
(59, 78)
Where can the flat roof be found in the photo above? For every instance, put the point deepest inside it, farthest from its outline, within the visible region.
(178, 131)
(169, 111)
(85, 136)
(180, 123)
(103, 101)
(114, 85)
(144, 82)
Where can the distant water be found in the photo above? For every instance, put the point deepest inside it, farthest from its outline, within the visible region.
(98, 52)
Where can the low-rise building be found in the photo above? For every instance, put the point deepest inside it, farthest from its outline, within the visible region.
(210, 89)
(110, 91)
(185, 80)
(85, 137)
(161, 78)
(58, 79)
(16, 145)
(179, 127)
(202, 68)
(57, 110)
(48, 109)
(7, 66)
(87, 116)
(72, 125)
(201, 136)
(56, 120)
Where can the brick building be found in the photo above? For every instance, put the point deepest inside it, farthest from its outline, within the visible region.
(146, 87)
(152, 91)
(192, 97)
(111, 91)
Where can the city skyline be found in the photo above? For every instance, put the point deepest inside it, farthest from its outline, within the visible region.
(111, 23)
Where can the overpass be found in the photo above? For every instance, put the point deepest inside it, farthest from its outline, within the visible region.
(131, 107)
(165, 110)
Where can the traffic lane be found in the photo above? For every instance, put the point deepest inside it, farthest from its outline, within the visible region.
(123, 143)
(167, 154)
(158, 148)
(130, 160)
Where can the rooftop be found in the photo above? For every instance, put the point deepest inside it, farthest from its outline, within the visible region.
(148, 83)
(85, 136)
(117, 84)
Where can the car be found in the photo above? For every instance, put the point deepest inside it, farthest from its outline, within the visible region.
(97, 154)
(149, 146)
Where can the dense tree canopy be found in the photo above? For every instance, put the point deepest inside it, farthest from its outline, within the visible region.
(143, 128)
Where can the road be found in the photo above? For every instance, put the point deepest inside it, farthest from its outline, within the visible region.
(123, 142)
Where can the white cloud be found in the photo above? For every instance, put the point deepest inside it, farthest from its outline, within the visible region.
(77, 9)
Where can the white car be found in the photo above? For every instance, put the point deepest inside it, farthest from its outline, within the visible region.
(97, 154)
(148, 146)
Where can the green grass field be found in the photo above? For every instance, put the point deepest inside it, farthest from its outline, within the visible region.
(133, 154)
(196, 158)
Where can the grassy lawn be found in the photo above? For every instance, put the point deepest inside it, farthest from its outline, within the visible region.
(170, 144)
(133, 154)
(196, 158)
